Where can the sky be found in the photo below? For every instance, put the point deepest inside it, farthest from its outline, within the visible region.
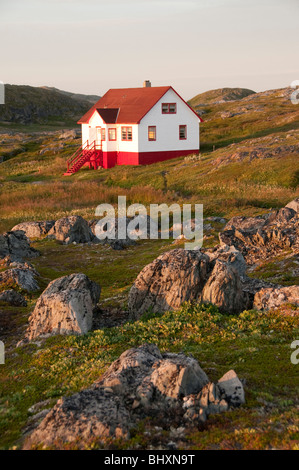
(89, 46)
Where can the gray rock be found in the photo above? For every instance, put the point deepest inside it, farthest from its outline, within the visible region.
(294, 204)
(231, 387)
(13, 298)
(173, 278)
(230, 255)
(16, 246)
(141, 383)
(35, 229)
(22, 275)
(224, 289)
(71, 229)
(274, 297)
(65, 307)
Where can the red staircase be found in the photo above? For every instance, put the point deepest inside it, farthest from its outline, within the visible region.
(80, 157)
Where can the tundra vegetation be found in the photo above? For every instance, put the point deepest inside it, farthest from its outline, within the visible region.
(248, 166)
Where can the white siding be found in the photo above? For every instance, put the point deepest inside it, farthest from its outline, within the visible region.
(167, 127)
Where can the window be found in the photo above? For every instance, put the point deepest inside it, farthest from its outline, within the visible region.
(151, 132)
(112, 133)
(126, 133)
(168, 108)
(103, 134)
(183, 132)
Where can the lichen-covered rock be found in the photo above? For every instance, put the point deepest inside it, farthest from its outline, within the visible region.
(260, 238)
(65, 307)
(71, 229)
(224, 289)
(15, 246)
(171, 279)
(23, 275)
(141, 383)
(12, 297)
(35, 229)
(231, 387)
(231, 256)
(274, 297)
(294, 204)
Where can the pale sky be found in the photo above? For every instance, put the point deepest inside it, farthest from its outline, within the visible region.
(89, 46)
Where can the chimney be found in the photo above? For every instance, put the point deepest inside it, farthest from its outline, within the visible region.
(147, 84)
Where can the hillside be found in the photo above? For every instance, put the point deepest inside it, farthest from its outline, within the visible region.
(248, 166)
(76, 96)
(30, 105)
(219, 95)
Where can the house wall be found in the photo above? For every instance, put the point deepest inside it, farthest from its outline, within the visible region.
(167, 127)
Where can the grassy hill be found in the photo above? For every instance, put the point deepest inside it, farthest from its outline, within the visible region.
(42, 105)
(219, 95)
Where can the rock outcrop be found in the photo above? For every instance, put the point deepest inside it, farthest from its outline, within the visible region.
(65, 307)
(13, 298)
(71, 229)
(189, 275)
(274, 297)
(263, 237)
(171, 279)
(21, 275)
(103, 232)
(142, 382)
(224, 289)
(15, 246)
(35, 229)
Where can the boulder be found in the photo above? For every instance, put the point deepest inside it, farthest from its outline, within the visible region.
(141, 383)
(274, 297)
(294, 204)
(35, 229)
(224, 289)
(13, 298)
(230, 255)
(259, 238)
(231, 387)
(65, 307)
(23, 275)
(173, 278)
(15, 246)
(71, 229)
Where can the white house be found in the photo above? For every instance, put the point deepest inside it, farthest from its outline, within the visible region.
(136, 126)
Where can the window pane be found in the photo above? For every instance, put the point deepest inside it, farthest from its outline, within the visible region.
(129, 133)
(103, 136)
(164, 108)
(123, 133)
(172, 108)
(112, 134)
(183, 132)
(151, 133)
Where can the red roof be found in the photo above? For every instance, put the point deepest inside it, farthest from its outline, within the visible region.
(132, 104)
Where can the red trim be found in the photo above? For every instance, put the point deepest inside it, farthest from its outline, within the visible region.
(185, 128)
(111, 129)
(155, 131)
(123, 128)
(168, 108)
(201, 120)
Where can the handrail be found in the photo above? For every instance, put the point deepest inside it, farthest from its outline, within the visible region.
(82, 151)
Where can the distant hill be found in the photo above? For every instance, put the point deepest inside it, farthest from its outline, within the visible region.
(77, 96)
(219, 96)
(26, 104)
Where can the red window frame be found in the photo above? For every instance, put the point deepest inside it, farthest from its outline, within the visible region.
(109, 136)
(103, 134)
(183, 126)
(167, 111)
(155, 132)
(125, 129)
